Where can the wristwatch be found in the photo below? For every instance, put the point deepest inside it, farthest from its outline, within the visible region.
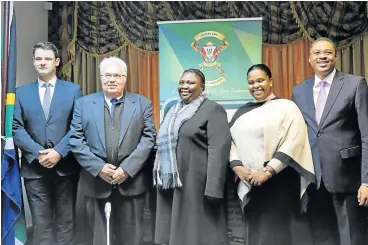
(267, 172)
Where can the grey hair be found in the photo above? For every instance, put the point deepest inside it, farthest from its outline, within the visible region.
(113, 61)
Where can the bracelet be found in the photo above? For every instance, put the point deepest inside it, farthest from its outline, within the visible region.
(267, 172)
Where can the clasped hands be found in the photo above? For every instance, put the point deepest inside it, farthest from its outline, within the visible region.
(256, 178)
(112, 174)
(259, 177)
(48, 158)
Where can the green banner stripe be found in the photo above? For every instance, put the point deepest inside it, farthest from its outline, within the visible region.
(20, 229)
(9, 111)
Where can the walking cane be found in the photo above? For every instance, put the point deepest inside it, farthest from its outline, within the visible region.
(107, 214)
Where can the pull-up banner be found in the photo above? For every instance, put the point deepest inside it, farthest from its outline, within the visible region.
(222, 49)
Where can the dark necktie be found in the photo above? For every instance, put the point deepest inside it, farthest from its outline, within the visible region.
(113, 103)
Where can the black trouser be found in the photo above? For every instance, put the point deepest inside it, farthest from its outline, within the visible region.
(51, 200)
(126, 221)
(336, 219)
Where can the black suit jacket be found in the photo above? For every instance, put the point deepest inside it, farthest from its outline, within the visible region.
(340, 143)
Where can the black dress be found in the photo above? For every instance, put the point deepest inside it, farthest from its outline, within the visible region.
(185, 216)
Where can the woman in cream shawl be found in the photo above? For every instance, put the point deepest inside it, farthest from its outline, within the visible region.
(271, 157)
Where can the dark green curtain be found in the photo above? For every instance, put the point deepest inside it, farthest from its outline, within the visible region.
(105, 26)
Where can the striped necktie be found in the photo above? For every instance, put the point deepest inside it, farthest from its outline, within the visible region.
(46, 100)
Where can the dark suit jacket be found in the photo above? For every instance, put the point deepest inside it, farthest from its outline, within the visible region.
(32, 132)
(136, 141)
(340, 143)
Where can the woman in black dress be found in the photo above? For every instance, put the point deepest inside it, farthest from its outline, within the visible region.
(190, 166)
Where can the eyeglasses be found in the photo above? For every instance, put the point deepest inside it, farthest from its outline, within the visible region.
(325, 52)
(109, 76)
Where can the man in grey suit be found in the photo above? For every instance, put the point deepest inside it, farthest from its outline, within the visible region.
(335, 107)
(112, 136)
(42, 115)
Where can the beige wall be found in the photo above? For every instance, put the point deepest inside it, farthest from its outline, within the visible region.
(32, 27)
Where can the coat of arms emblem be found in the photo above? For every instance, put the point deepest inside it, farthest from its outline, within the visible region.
(210, 50)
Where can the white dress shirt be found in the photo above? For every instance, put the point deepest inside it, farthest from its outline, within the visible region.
(317, 85)
(41, 90)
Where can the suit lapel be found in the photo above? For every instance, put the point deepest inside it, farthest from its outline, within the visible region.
(311, 109)
(128, 112)
(56, 97)
(335, 89)
(36, 94)
(99, 115)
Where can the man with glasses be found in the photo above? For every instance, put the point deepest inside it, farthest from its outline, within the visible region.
(42, 115)
(112, 136)
(335, 107)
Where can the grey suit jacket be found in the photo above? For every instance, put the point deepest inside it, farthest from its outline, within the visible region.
(33, 132)
(340, 143)
(136, 141)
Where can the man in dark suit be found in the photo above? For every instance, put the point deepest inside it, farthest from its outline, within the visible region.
(335, 107)
(42, 115)
(112, 136)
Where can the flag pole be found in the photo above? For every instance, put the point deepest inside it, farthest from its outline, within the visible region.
(5, 64)
(13, 222)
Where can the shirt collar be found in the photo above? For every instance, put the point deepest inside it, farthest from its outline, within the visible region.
(52, 82)
(328, 79)
(107, 99)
